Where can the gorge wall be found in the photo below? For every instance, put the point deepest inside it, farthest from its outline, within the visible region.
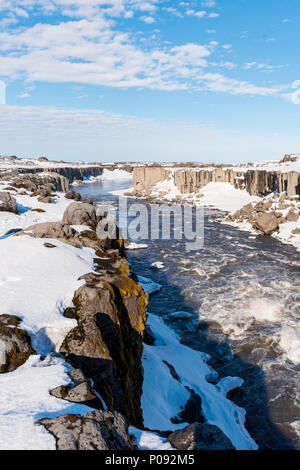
(191, 180)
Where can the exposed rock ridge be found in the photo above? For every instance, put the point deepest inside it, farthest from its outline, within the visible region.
(255, 182)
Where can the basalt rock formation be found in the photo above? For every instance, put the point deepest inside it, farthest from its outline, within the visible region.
(107, 343)
(192, 180)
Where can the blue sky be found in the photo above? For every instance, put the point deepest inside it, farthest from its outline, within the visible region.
(211, 80)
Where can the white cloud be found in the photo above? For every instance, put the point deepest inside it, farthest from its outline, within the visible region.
(209, 3)
(89, 49)
(219, 83)
(22, 96)
(96, 135)
(147, 19)
(198, 14)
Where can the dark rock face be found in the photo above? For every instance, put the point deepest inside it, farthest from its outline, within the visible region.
(99, 430)
(107, 343)
(41, 185)
(15, 344)
(149, 337)
(8, 203)
(200, 436)
(193, 410)
(81, 214)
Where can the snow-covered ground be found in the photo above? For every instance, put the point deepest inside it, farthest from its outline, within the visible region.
(37, 284)
(222, 196)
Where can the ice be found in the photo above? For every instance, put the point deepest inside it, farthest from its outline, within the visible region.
(157, 265)
(180, 315)
(163, 395)
(148, 285)
(136, 246)
(146, 440)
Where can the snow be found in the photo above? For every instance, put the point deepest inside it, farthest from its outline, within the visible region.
(25, 398)
(163, 396)
(54, 212)
(286, 236)
(157, 265)
(136, 246)
(221, 196)
(146, 440)
(38, 283)
(148, 285)
(115, 175)
(122, 192)
(225, 197)
(166, 188)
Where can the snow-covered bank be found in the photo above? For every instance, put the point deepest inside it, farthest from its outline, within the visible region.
(276, 215)
(37, 284)
(221, 196)
(164, 395)
(193, 372)
(25, 398)
(116, 175)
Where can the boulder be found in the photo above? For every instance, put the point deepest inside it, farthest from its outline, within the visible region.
(99, 430)
(80, 393)
(15, 344)
(8, 203)
(266, 223)
(292, 216)
(200, 436)
(49, 230)
(80, 214)
(73, 195)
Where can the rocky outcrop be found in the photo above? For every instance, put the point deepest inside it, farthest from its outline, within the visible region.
(192, 180)
(8, 203)
(268, 214)
(110, 309)
(80, 391)
(107, 343)
(41, 184)
(200, 436)
(15, 344)
(49, 230)
(81, 214)
(99, 430)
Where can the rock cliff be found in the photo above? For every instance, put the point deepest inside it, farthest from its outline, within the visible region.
(256, 182)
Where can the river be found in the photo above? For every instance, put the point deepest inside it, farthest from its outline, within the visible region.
(243, 295)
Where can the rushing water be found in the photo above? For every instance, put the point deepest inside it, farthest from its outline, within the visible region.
(244, 297)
